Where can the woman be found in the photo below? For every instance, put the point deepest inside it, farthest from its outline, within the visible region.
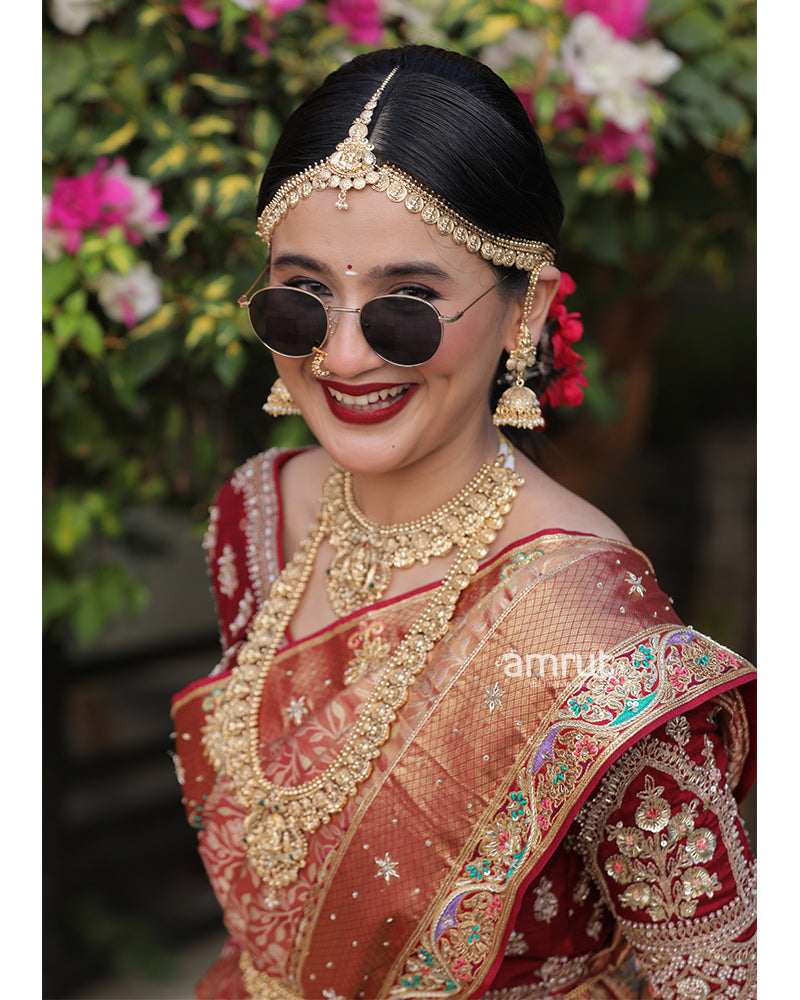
(459, 743)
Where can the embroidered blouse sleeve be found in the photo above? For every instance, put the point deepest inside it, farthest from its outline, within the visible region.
(664, 841)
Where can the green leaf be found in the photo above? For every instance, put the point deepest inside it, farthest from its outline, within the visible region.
(234, 193)
(212, 124)
(157, 323)
(225, 91)
(64, 68)
(50, 355)
(491, 29)
(696, 30)
(90, 335)
(103, 595)
(168, 163)
(57, 278)
(119, 138)
(666, 10)
(58, 129)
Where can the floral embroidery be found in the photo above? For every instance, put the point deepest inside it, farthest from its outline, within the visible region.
(517, 944)
(296, 709)
(227, 577)
(678, 729)
(634, 584)
(663, 875)
(387, 869)
(545, 905)
(597, 920)
(585, 748)
(494, 697)
(371, 652)
(654, 812)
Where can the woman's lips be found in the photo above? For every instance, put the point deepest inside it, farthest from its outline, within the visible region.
(371, 403)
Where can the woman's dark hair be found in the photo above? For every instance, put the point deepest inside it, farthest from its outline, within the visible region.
(452, 124)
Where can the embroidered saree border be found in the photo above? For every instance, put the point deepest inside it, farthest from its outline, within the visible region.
(455, 948)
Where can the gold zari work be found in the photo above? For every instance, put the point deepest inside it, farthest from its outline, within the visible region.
(279, 820)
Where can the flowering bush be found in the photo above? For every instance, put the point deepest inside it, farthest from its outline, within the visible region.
(159, 116)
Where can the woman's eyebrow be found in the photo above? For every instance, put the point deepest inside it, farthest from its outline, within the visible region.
(300, 260)
(409, 269)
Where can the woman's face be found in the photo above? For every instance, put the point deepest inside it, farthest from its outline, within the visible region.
(376, 248)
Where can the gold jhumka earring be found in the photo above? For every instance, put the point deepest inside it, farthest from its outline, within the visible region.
(279, 402)
(519, 405)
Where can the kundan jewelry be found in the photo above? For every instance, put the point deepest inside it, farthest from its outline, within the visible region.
(280, 819)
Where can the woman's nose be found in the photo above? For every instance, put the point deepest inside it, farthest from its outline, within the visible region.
(347, 351)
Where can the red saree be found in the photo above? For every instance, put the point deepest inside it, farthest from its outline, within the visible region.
(554, 798)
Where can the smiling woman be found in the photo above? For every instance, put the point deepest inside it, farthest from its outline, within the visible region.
(384, 807)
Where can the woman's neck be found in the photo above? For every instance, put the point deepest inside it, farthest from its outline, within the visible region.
(416, 489)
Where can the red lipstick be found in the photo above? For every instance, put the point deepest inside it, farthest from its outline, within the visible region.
(368, 413)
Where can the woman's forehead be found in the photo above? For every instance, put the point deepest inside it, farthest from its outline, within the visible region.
(372, 233)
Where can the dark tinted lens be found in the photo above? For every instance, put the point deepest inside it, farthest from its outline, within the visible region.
(403, 330)
(288, 320)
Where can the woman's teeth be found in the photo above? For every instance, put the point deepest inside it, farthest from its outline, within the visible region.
(383, 396)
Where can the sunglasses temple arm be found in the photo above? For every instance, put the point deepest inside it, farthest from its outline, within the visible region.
(244, 300)
(452, 319)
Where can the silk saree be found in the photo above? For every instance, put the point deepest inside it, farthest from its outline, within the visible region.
(554, 812)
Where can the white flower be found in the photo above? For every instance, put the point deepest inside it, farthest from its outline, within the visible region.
(129, 297)
(251, 5)
(73, 16)
(518, 44)
(615, 70)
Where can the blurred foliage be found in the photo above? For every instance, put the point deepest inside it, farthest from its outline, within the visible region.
(162, 412)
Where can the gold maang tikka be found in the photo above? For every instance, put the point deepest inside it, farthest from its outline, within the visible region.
(353, 166)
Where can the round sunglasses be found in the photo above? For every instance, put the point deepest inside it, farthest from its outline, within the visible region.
(400, 329)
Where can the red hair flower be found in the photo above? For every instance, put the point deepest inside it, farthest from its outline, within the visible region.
(566, 379)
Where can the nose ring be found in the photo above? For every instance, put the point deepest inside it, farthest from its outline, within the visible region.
(317, 364)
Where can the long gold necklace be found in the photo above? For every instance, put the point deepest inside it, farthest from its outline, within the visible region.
(279, 820)
(367, 552)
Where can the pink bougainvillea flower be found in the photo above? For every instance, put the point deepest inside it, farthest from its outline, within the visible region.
(361, 17)
(626, 18)
(200, 13)
(90, 201)
(257, 33)
(97, 200)
(143, 215)
(279, 7)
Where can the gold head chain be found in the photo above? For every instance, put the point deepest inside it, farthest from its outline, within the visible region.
(353, 165)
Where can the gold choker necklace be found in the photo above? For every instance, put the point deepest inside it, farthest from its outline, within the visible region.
(367, 552)
(279, 820)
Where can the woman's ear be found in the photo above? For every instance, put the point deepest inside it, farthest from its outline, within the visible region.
(546, 288)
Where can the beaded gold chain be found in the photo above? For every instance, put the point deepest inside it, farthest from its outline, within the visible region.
(279, 820)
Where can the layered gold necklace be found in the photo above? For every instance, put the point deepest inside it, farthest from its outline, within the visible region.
(280, 819)
(367, 552)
